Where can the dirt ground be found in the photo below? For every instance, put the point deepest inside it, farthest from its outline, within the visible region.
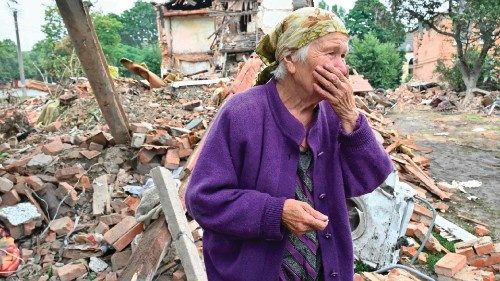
(466, 146)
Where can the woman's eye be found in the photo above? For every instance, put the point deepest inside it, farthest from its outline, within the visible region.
(343, 56)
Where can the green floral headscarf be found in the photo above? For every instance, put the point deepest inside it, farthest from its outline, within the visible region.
(297, 30)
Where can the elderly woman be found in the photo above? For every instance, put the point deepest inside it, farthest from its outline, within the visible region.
(271, 183)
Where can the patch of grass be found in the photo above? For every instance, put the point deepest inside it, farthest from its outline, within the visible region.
(362, 267)
(450, 246)
(432, 259)
(473, 118)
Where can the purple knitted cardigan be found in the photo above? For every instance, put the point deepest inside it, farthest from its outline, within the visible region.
(247, 169)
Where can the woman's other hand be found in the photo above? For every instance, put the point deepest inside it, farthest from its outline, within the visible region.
(299, 217)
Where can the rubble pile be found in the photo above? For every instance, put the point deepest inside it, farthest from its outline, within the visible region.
(70, 195)
(415, 95)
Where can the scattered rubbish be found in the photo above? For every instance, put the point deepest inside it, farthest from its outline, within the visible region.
(472, 198)
(139, 190)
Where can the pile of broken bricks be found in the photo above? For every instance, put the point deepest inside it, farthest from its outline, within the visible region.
(63, 197)
(78, 220)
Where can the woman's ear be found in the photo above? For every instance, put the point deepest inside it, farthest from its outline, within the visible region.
(290, 64)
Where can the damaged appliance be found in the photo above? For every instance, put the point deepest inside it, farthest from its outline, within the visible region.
(379, 221)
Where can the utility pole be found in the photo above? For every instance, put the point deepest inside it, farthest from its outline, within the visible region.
(19, 55)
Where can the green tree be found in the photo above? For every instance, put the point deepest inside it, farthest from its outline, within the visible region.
(107, 28)
(474, 23)
(8, 61)
(339, 11)
(322, 5)
(380, 63)
(140, 21)
(371, 16)
(488, 79)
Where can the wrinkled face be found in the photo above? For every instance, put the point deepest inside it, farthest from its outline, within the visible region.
(330, 49)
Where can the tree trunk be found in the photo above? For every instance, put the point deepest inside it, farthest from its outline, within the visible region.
(470, 84)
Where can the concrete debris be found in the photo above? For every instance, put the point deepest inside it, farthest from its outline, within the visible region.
(97, 265)
(20, 213)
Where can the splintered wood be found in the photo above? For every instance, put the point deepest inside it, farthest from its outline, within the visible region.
(405, 156)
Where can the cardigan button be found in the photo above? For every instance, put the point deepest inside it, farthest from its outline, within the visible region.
(322, 196)
(334, 274)
(328, 236)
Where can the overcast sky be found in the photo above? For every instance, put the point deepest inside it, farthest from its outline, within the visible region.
(30, 17)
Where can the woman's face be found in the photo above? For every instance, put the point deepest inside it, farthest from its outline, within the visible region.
(330, 49)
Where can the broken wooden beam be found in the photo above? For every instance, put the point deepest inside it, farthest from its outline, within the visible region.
(178, 225)
(88, 50)
(149, 253)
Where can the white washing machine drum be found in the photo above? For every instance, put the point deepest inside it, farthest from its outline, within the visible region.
(379, 221)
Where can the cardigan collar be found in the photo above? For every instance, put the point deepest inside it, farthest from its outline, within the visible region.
(288, 124)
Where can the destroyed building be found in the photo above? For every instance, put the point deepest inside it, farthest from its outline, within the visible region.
(199, 36)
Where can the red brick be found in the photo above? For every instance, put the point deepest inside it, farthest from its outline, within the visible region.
(466, 244)
(410, 251)
(90, 154)
(191, 105)
(146, 155)
(450, 264)
(410, 230)
(484, 246)
(172, 159)
(119, 230)
(68, 173)
(111, 219)
(84, 183)
(493, 259)
(468, 252)
(441, 207)
(62, 225)
(34, 182)
(95, 146)
(101, 228)
(64, 189)
(422, 258)
(179, 275)
(470, 273)
(132, 203)
(357, 277)
(54, 126)
(26, 254)
(421, 210)
(127, 238)
(140, 127)
(185, 152)
(10, 198)
(70, 271)
(481, 230)
(53, 148)
(120, 259)
(477, 261)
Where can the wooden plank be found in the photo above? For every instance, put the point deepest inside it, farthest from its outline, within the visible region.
(392, 146)
(178, 84)
(148, 255)
(178, 225)
(428, 182)
(88, 50)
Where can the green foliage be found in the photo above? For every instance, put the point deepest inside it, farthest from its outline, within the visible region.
(8, 61)
(362, 267)
(432, 259)
(450, 246)
(338, 10)
(140, 21)
(488, 77)
(473, 23)
(371, 16)
(380, 63)
(108, 29)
